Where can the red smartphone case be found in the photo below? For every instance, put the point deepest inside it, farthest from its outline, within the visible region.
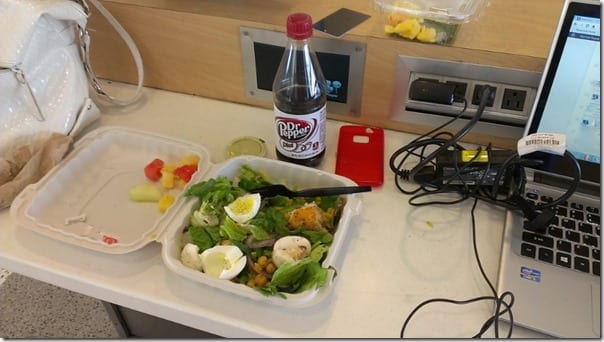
(360, 154)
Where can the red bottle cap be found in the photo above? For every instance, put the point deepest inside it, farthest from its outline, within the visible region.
(299, 26)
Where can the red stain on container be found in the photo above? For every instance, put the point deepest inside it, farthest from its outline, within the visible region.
(109, 240)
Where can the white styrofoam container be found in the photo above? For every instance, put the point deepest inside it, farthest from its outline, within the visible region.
(278, 172)
(92, 183)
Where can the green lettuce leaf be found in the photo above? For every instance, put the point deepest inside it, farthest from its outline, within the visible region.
(250, 179)
(215, 193)
(231, 230)
(259, 233)
(315, 276)
(298, 276)
(318, 252)
(204, 237)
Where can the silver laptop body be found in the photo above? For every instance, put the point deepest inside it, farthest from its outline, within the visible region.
(556, 284)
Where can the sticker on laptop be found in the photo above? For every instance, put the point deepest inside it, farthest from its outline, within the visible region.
(530, 274)
(545, 142)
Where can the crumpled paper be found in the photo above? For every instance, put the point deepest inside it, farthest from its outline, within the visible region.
(28, 163)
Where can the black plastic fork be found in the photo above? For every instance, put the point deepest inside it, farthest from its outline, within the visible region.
(280, 189)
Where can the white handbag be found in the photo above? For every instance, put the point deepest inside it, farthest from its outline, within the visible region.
(45, 73)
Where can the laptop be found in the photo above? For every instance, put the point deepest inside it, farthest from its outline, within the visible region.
(555, 275)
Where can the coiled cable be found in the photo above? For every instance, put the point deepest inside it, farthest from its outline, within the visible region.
(423, 151)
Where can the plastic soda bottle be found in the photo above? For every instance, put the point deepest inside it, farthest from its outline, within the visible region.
(299, 93)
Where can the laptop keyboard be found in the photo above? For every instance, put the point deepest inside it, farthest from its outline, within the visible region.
(572, 241)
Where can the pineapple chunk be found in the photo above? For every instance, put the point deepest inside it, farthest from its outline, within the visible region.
(165, 202)
(427, 35)
(167, 179)
(189, 160)
(408, 28)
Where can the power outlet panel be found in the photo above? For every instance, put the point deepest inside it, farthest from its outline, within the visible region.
(507, 104)
(507, 110)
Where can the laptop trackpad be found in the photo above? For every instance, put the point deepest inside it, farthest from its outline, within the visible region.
(596, 308)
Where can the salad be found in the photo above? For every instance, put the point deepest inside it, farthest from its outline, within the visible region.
(274, 245)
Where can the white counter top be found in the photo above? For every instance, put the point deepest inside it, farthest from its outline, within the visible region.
(395, 257)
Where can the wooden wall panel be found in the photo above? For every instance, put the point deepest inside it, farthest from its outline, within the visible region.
(192, 46)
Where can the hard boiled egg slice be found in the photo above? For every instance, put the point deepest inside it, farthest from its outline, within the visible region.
(244, 208)
(223, 262)
(189, 256)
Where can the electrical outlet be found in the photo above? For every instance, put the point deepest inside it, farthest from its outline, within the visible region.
(513, 108)
(513, 99)
(476, 96)
(459, 91)
(469, 81)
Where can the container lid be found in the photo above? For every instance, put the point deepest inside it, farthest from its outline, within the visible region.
(246, 146)
(78, 201)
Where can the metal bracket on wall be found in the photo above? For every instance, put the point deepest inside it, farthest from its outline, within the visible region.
(342, 62)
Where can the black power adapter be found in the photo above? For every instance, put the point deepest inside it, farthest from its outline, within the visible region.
(433, 91)
(471, 167)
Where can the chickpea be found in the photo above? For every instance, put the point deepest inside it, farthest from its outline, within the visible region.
(257, 268)
(251, 282)
(270, 268)
(260, 280)
(262, 260)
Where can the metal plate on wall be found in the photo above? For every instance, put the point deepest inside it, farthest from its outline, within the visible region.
(494, 121)
(342, 62)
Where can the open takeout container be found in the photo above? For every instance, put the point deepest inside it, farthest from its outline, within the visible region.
(84, 201)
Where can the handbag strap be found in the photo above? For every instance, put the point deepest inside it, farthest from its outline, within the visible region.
(96, 85)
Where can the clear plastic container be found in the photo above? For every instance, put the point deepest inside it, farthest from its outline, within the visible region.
(427, 21)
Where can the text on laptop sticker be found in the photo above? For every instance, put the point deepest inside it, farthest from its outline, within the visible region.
(545, 142)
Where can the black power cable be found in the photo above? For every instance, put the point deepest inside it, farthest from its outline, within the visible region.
(503, 304)
(425, 149)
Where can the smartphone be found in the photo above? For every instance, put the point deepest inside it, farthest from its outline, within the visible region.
(360, 154)
(340, 22)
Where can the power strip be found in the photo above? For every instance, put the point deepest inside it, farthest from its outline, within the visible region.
(509, 104)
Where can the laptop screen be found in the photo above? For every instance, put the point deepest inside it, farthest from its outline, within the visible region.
(569, 98)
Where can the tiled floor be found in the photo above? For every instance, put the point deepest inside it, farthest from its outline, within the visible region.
(33, 309)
